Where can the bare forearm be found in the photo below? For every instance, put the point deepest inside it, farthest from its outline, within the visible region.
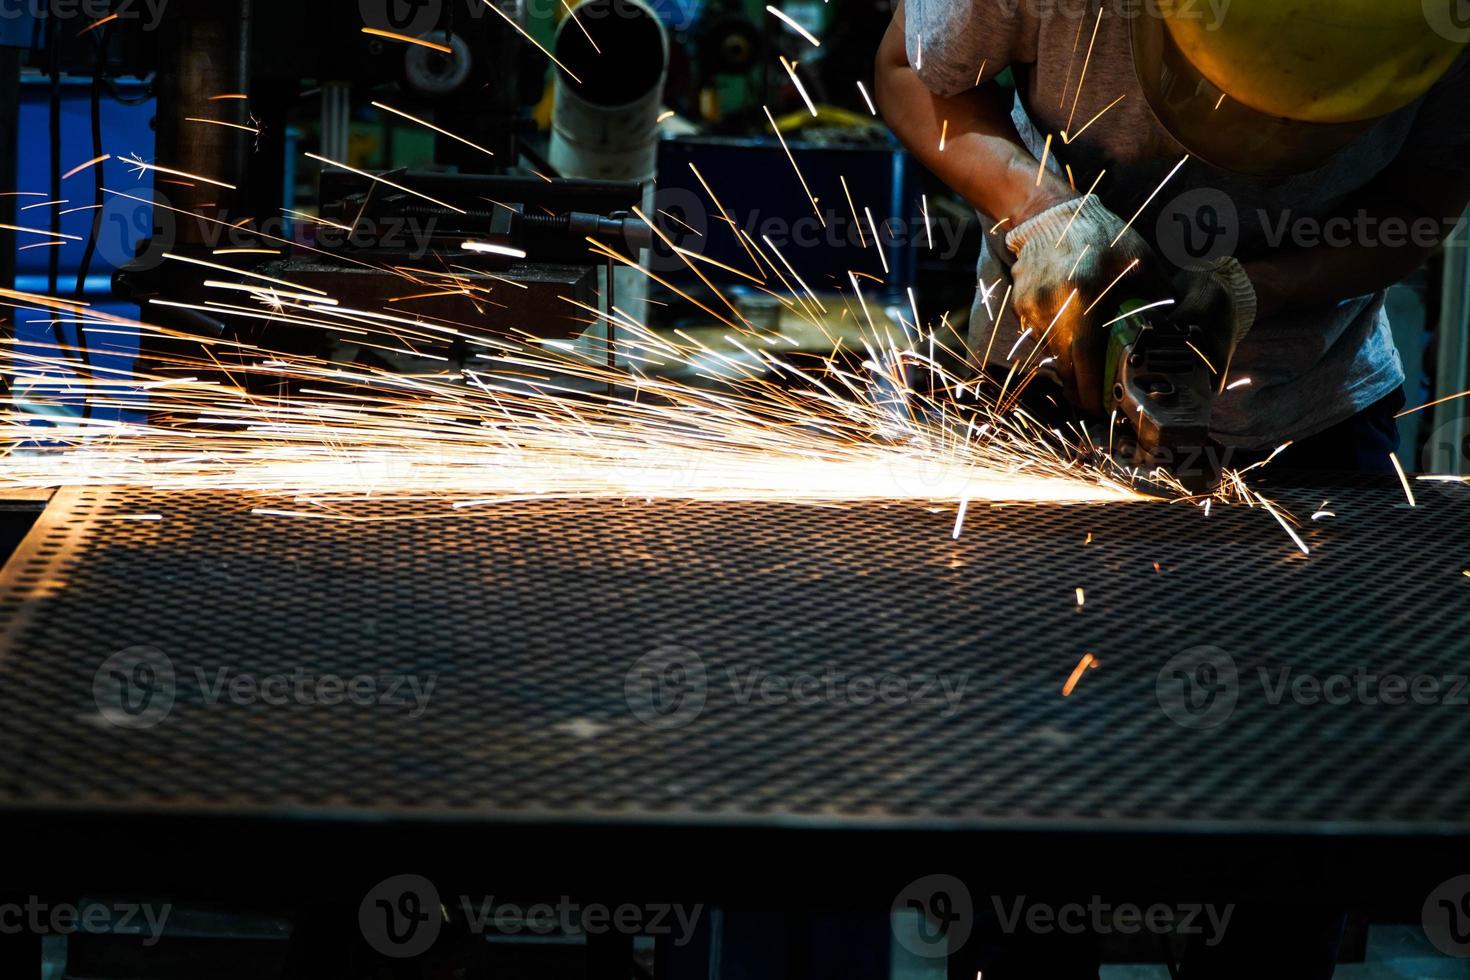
(968, 141)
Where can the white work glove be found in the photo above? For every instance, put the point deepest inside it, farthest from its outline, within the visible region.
(1062, 250)
(1221, 300)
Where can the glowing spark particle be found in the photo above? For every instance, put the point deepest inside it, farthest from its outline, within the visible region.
(155, 168)
(1284, 526)
(782, 140)
(1069, 138)
(805, 34)
(873, 225)
(928, 229)
(390, 35)
(1190, 345)
(959, 519)
(1045, 155)
(790, 67)
(863, 90)
(1177, 167)
(1440, 401)
(575, 20)
(665, 116)
(1403, 480)
(1080, 205)
(1085, 64)
(384, 181)
(1088, 662)
(1121, 276)
(39, 231)
(1081, 597)
(1242, 383)
(220, 122)
(943, 134)
(429, 125)
(98, 23)
(89, 164)
(522, 32)
(1142, 309)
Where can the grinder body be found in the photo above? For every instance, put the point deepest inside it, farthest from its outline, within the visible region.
(1162, 391)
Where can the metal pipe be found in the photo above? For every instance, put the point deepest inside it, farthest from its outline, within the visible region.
(204, 52)
(604, 119)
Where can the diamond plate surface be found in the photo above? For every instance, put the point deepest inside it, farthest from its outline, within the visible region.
(748, 663)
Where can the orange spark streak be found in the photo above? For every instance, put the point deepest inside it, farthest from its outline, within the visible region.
(1440, 401)
(1045, 155)
(1088, 662)
(1131, 266)
(221, 122)
(1068, 138)
(96, 24)
(90, 163)
(390, 35)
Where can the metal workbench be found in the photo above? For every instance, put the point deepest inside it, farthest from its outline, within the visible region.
(613, 675)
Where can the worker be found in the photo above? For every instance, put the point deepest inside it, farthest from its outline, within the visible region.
(1325, 150)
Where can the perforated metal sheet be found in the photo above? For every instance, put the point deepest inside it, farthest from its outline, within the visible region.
(532, 620)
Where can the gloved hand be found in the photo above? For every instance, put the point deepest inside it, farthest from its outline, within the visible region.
(1221, 301)
(1045, 280)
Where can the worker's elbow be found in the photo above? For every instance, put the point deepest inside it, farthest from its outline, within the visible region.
(888, 87)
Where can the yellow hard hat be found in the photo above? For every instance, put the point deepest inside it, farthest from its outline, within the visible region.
(1277, 87)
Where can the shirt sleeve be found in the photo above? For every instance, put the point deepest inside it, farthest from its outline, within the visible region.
(954, 45)
(1440, 137)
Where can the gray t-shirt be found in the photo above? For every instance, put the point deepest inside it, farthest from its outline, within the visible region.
(1308, 370)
